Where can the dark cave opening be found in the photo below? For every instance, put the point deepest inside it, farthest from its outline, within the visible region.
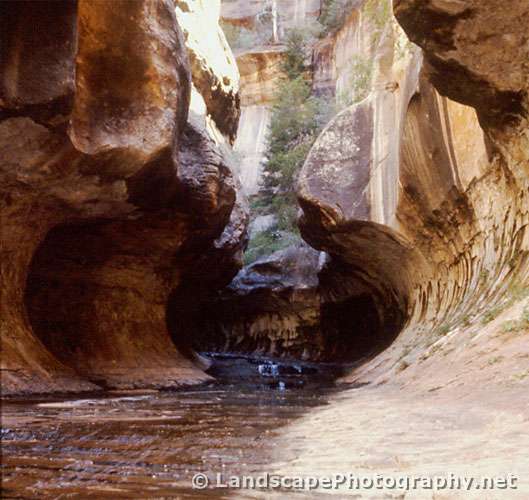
(61, 304)
(304, 325)
(97, 300)
(352, 328)
(92, 300)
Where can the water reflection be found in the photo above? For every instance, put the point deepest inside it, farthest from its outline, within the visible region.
(146, 445)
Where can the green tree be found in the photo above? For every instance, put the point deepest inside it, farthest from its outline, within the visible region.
(333, 14)
(295, 124)
(293, 63)
(296, 120)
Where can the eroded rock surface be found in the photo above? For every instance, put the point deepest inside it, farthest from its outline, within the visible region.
(476, 53)
(215, 73)
(291, 305)
(109, 193)
(270, 308)
(260, 71)
(427, 195)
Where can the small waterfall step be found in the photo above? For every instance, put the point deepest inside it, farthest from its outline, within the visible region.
(275, 373)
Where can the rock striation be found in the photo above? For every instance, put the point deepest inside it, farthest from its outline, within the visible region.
(270, 308)
(290, 305)
(260, 71)
(111, 190)
(122, 213)
(423, 185)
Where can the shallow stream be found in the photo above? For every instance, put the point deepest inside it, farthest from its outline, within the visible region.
(149, 445)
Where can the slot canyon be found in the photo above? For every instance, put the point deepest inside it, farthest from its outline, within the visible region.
(181, 295)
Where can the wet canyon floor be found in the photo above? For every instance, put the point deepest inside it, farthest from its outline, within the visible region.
(150, 444)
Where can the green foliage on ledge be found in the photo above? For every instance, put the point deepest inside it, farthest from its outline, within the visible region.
(378, 13)
(333, 14)
(267, 242)
(359, 83)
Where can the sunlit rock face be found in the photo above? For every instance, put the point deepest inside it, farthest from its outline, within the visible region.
(215, 74)
(428, 196)
(289, 13)
(110, 192)
(260, 73)
(334, 55)
(259, 60)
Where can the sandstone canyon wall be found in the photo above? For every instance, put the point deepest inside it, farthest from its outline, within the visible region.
(111, 189)
(421, 189)
(417, 193)
(266, 23)
(122, 212)
(323, 331)
(286, 14)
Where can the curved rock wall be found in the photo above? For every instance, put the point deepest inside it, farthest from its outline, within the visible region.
(290, 305)
(420, 200)
(408, 187)
(108, 192)
(119, 205)
(321, 328)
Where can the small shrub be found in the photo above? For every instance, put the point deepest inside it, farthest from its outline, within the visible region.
(297, 50)
(442, 330)
(267, 242)
(491, 314)
(359, 83)
(510, 326)
(525, 317)
(517, 325)
(332, 18)
(496, 359)
(519, 292)
(378, 12)
(259, 206)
